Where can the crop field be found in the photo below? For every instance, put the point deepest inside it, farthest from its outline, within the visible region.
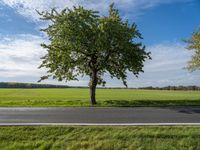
(105, 97)
(96, 138)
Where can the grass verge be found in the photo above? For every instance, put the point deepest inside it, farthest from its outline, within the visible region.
(96, 138)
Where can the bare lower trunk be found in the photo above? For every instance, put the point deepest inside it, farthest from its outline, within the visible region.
(93, 84)
(92, 95)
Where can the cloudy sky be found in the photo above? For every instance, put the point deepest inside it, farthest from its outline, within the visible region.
(163, 23)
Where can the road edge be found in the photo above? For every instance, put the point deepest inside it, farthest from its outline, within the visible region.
(99, 124)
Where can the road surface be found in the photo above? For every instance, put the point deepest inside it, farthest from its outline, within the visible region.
(100, 116)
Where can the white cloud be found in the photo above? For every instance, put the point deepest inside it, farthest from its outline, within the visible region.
(20, 58)
(20, 55)
(167, 57)
(166, 67)
(27, 7)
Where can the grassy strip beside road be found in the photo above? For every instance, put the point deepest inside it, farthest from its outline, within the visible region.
(105, 97)
(95, 138)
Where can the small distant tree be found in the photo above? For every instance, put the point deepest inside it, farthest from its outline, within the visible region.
(84, 43)
(194, 44)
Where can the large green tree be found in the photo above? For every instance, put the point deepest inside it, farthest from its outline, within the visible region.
(81, 42)
(194, 45)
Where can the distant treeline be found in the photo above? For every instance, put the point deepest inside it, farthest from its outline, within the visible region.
(183, 88)
(29, 85)
(32, 85)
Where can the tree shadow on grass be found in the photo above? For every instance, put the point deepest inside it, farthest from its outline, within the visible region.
(180, 106)
(163, 103)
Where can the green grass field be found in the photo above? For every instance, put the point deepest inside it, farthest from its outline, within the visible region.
(97, 138)
(105, 97)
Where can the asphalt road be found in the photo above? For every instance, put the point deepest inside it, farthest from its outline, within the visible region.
(94, 115)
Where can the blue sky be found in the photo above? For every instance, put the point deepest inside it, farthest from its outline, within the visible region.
(163, 23)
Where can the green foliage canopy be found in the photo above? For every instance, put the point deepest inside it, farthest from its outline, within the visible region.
(194, 44)
(83, 43)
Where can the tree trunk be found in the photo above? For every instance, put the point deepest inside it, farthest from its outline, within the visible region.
(93, 84)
